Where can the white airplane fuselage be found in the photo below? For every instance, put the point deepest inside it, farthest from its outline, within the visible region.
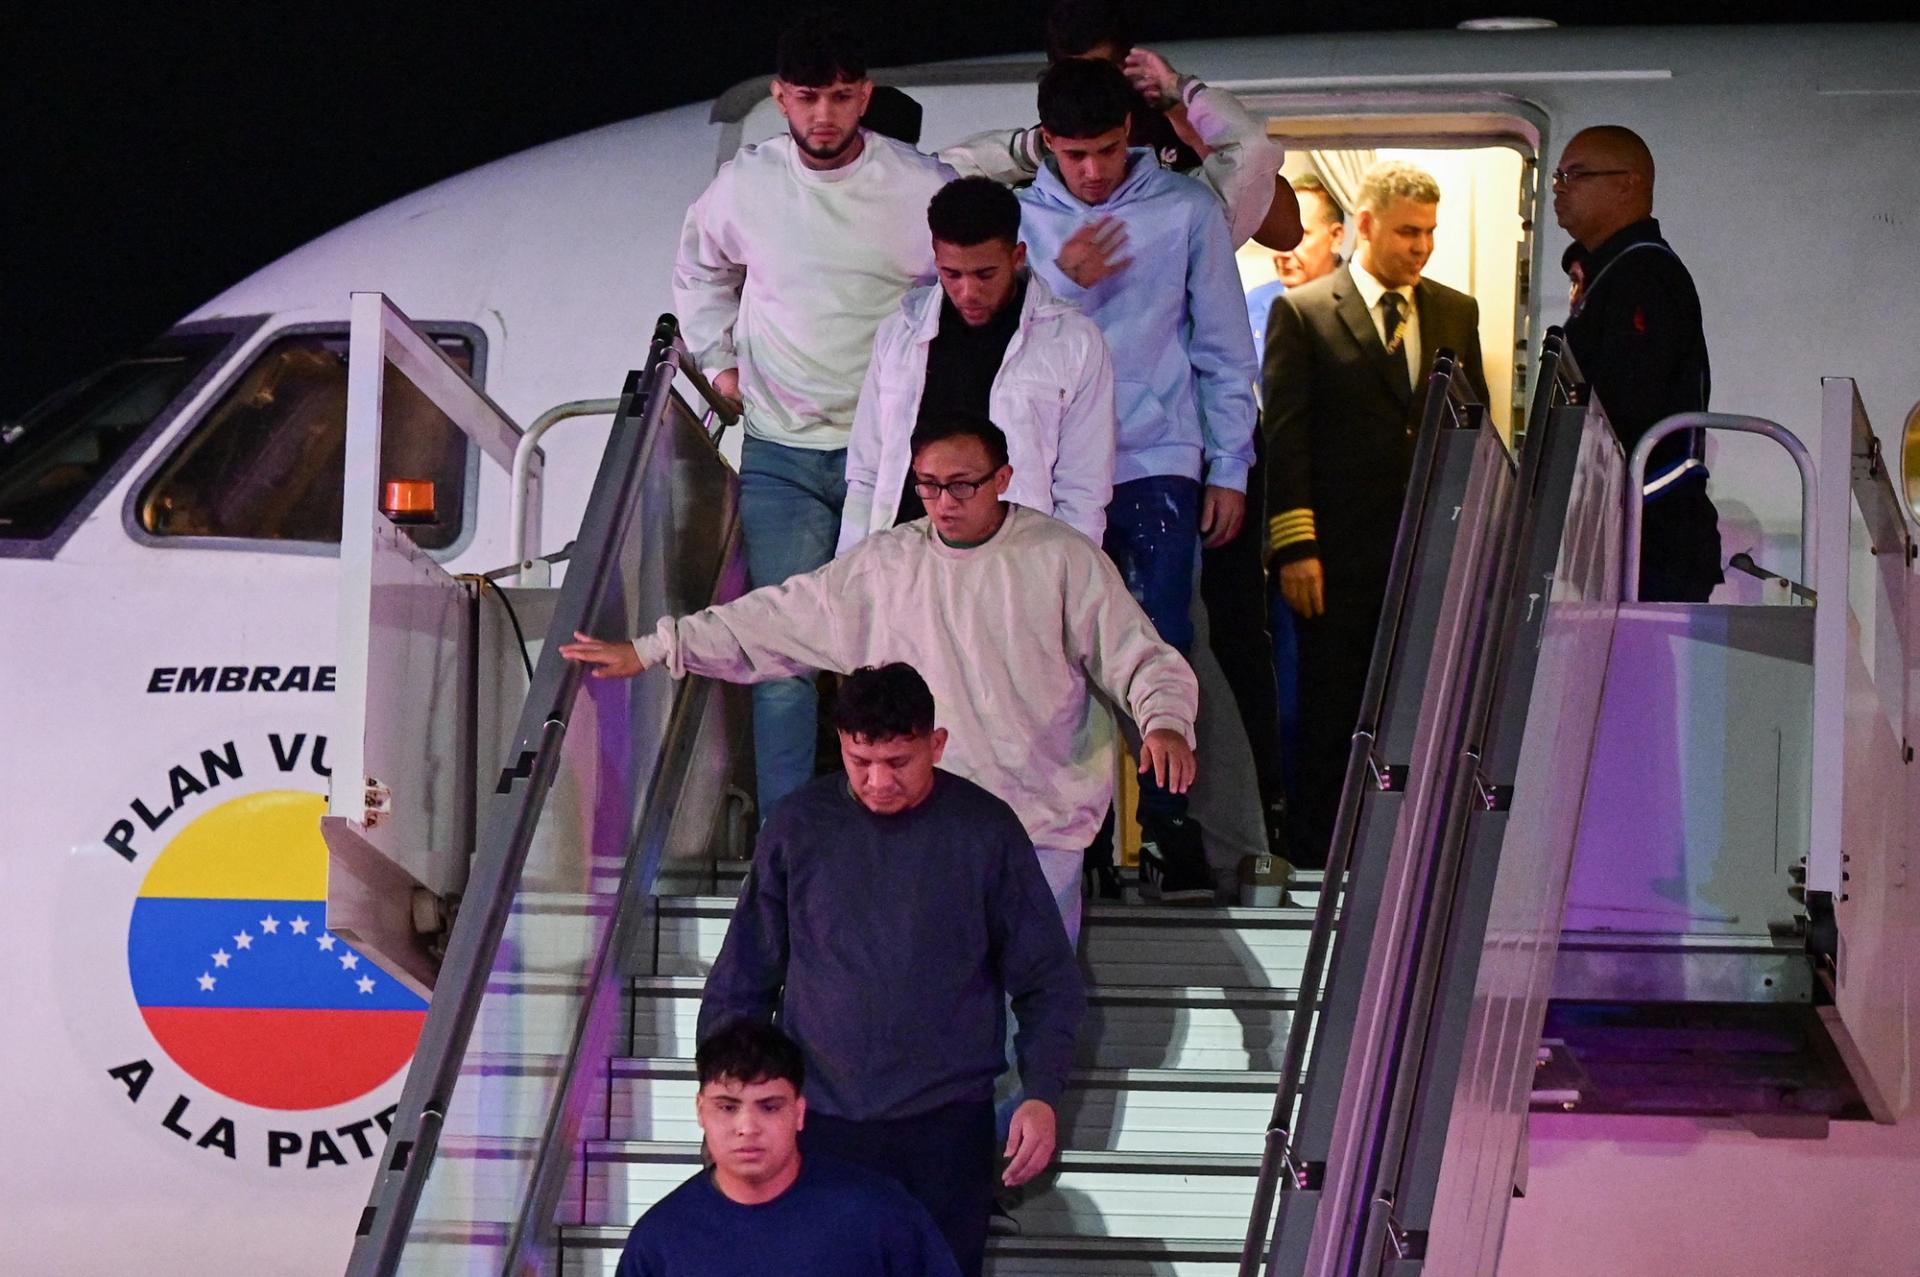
(1786, 182)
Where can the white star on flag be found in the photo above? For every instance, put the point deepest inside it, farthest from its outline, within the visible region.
(299, 926)
(243, 940)
(349, 960)
(206, 982)
(326, 942)
(365, 983)
(221, 957)
(270, 925)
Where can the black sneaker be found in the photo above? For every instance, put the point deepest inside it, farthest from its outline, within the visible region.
(1172, 864)
(1103, 880)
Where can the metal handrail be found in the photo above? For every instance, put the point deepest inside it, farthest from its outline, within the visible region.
(527, 450)
(451, 1016)
(1277, 1153)
(632, 905)
(1637, 479)
(718, 405)
(524, 454)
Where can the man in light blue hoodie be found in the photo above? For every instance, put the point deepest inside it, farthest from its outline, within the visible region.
(1147, 255)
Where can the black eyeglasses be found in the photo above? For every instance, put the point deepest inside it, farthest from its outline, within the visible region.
(958, 489)
(1568, 176)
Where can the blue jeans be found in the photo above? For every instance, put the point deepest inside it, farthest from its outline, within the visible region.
(790, 501)
(1153, 537)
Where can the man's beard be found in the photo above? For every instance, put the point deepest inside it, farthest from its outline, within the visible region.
(835, 153)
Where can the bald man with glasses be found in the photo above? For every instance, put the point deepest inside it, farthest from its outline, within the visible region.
(1636, 331)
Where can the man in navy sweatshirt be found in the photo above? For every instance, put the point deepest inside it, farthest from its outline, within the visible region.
(889, 916)
(762, 1207)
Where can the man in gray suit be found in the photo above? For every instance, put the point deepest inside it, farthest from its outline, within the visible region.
(1344, 373)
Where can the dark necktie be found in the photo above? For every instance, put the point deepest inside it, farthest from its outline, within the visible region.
(1393, 309)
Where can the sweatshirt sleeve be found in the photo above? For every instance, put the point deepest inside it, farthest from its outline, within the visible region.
(808, 622)
(1083, 471)
(1242, 161)
(1221, 350)
(1287, 395)
(864, 445)
(1010, 159)
(1038, 969)
(1124, 655)
(748, 974)
(707, 279)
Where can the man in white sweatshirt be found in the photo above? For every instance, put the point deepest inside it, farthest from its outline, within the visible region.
(991, 341)
(788, 262)
(1012, 617)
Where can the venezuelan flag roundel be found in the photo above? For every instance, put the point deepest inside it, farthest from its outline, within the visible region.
(237, 976)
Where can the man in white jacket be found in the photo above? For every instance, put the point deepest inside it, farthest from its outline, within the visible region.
(1012, 617)
(991, 341)
(788, 262)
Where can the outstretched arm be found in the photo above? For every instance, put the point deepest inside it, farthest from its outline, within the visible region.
(814, 621)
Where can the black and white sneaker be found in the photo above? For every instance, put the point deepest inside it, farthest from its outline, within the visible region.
(1173, 866)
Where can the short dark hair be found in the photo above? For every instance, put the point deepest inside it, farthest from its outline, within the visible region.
(1309, 184)
(956, 426)
(1076, 26)
(973, 210)
(884, 702)
(819, 49)
(750, 1051)
(1082, 98)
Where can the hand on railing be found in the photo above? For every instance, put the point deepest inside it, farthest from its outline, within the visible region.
(606, 658)
(726, 386)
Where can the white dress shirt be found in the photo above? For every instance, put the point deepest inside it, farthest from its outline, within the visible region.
(1371, 291)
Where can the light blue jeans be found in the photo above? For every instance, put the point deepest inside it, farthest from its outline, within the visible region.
(790, 501)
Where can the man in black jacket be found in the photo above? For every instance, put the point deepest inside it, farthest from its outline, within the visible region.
(890, 914)
(1344, 379)
(1636, 332)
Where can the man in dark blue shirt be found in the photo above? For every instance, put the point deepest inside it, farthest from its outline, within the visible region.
(889, 916)
(765, 1208)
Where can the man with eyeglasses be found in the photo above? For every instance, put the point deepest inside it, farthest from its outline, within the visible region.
(1013, 618)
(1636, 331)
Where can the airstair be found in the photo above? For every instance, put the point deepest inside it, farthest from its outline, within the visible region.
(1338, 1085)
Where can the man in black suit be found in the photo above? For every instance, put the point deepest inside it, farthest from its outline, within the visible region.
(1346, 360)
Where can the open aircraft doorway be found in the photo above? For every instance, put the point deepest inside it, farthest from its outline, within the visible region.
(1483, 155)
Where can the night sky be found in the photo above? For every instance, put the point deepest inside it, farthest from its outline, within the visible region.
(152, 160)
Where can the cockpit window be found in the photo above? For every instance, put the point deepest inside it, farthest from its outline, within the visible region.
(51, 459)
(268, 461)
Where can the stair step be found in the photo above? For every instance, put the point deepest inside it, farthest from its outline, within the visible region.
(680, 878)
(1086, 1192)
(593, 1251)
(1127, 1026)
(1121, 1110)
(1135, 944)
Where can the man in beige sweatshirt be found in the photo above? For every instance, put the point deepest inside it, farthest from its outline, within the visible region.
(1013, 618)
